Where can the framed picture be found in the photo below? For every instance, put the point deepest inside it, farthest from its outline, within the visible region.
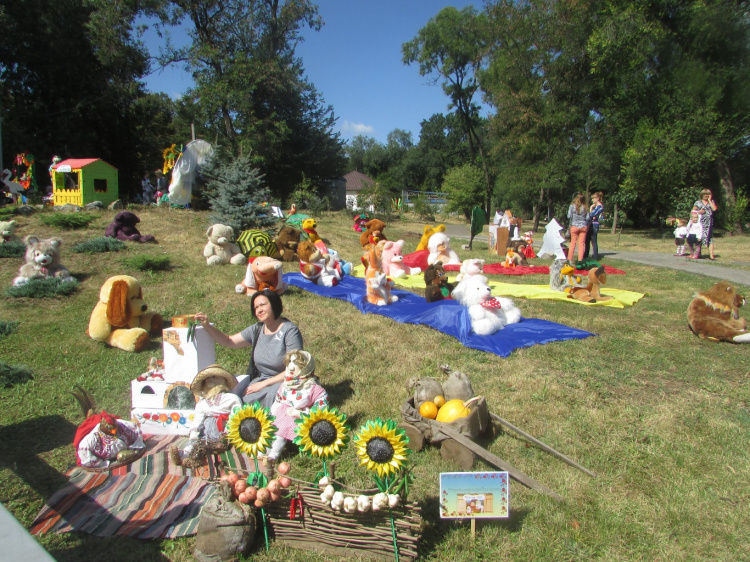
(474, 495)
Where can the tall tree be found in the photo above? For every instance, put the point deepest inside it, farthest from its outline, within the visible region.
(451, 48)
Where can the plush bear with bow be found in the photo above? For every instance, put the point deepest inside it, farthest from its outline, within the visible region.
(488, 314)
(123, 228)
(42, 261)
(373, 233)
(714, 315)
(262, 273)
(220, 248)
(308, 227)
(120, 318)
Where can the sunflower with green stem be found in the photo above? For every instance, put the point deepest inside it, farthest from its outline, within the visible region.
(322, 433)
(382, 447)
(250, 429)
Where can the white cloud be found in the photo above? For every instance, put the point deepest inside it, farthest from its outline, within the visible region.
(354, 129)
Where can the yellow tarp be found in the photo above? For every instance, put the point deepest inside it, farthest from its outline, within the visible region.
(621, 298)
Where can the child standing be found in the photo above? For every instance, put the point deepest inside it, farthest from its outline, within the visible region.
(695, 233)
(680, 234)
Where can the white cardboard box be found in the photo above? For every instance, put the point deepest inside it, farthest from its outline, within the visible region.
(163, 421)
(182, 359)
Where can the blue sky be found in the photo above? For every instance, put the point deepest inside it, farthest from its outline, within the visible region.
(355, 62)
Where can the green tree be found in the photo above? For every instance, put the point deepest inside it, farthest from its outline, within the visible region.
(451, 48)
(464, 186)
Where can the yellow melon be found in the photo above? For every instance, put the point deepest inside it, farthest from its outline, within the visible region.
(452, 410)
(428, 410)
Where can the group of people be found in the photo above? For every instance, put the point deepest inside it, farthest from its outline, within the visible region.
(583, 222)
(699, 230)
(150, 192)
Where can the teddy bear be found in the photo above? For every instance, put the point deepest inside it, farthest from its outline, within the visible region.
(220, 248)
(315, 266)
(262, 273)
(123, 228)
(286, 242)
(8, 232)
(308, 227)
(469, 267)
(429, 231)
(373, 233)
(377, 284)
(120, 318)
(440, 250)
(488, 314)
(42, 261)
(393, 261)
(714, 315)
(590, 293)
(360, 221)
(436, 283)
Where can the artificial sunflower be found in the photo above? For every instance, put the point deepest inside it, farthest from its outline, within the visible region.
(251, 429)
(322, 433)
(382, 447)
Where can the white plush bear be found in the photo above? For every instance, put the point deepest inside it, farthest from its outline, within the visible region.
(220, 248)
(439, 246)
(488, 314)
(42, 261)
(473, 266)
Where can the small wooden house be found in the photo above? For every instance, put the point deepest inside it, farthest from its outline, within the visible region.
(84, 180)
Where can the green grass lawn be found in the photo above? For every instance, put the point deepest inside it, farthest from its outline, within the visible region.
(660, 416)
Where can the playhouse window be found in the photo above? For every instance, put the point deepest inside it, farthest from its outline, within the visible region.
(70, 180)
(100, 186)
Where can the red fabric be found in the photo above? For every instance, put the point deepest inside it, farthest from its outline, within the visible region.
(221, 419)
(87, 426)
(419, 259)
(492, 303)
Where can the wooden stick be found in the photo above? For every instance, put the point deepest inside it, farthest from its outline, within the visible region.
(541, 445)
(499, 463)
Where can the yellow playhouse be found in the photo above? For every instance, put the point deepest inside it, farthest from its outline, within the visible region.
(84, 180)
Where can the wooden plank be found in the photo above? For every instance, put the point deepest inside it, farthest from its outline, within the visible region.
(500, 463)
(541, 445)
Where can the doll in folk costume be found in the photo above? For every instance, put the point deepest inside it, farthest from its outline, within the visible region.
(103, 440)
(298, 394)
(213, 384)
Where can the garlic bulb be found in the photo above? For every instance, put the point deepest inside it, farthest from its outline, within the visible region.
(393, 500)
(350, 504)
(337, 501)
(363, 503)
(379, 501)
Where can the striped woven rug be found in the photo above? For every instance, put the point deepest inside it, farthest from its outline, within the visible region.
(148, 499)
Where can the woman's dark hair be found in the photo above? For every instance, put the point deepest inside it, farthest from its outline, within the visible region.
(276, 307)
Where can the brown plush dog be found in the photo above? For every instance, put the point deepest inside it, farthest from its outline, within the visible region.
(120, 318)
(373, 234)
(590, 293)
(436, 283)
(714, 315)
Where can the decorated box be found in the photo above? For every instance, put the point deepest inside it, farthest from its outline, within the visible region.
(184, 359)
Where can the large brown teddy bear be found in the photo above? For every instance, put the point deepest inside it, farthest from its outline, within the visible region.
(120, 318)
(287, 241)
(714, 315)
(373, 234)
(123, 228)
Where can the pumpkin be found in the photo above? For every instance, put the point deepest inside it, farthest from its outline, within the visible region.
(428, 410)
(452, 410)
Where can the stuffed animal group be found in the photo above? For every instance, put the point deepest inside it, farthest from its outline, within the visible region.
(42, 261)
(488, 314)
(123, 228)
(8, 232)
(714, 315)
(120, 318)
(316, 266)
(262, 273)
(436, 283)
(562, 276)
(440, 250)
(220, 248)
(428, 232)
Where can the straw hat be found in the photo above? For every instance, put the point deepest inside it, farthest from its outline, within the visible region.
(213, 371)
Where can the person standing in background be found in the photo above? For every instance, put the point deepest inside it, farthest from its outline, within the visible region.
(147, 189)
(592, 231)
(577, 215)
(706, 207)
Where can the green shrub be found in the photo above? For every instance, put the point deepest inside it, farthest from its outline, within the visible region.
(99, 245)
(12, 250)
(148, 263)
(13, 374)
(68, 221)
(7, 328)
(43, 288)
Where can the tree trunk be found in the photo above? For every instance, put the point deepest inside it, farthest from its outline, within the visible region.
(538, 209)
(725, 178)
(614, 218)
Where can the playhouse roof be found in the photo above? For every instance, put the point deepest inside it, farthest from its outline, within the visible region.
(78, 163)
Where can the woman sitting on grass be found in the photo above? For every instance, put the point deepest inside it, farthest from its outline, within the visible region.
(271, 337)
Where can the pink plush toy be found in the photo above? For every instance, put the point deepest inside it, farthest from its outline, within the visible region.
(393, 261)
(262, 273)
(473, 266)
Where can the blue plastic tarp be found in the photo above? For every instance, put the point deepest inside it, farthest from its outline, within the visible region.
(446, 316)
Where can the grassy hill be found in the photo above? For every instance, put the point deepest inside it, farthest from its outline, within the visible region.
(660, 416)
